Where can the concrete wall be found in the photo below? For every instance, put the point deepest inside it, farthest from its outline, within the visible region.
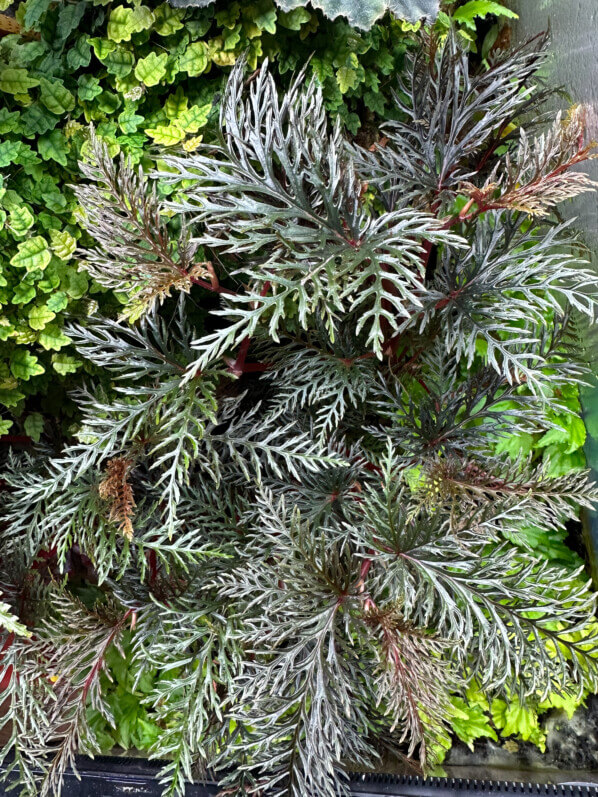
(574, 64)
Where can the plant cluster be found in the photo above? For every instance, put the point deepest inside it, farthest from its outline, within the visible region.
(145, 75)
(292, 500)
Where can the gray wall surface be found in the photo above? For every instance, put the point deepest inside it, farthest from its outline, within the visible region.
(574, 64)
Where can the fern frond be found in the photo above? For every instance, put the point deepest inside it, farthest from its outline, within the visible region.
(123, 214)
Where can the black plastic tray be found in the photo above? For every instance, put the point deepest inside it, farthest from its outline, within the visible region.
(117, 777)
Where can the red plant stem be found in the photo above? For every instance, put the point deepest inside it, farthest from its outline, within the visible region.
(239, 364)
(153, 567)
(7, 677)
(211, 287)
(97, 665)
(238, 367)
(365, 569)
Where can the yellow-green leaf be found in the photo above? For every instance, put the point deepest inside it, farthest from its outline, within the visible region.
(124, 22)
(167, 135)
(16, 81)
(194, 118)
(53, 338)
(195, 59)
(20, 220)
(65, 363)
(40, 317)
(151, 70)
(63, 244)
(176, 103)
(32, 254)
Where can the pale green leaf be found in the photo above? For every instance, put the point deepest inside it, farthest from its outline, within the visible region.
(475, 9)
(65, 364)
(20, 220)
(151, 70)
(32, 254)
(124, 22)
(63, 244)
(57, 302)
(7, 619)
(40, 317)
(195, 59)
(53, 337)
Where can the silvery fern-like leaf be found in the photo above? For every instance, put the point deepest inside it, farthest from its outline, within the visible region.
(360, 14)
(538, 176)
(135, 252)
(503, 295)
(451, 113)
(482, 597)
(74, 660)
(280, 191)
